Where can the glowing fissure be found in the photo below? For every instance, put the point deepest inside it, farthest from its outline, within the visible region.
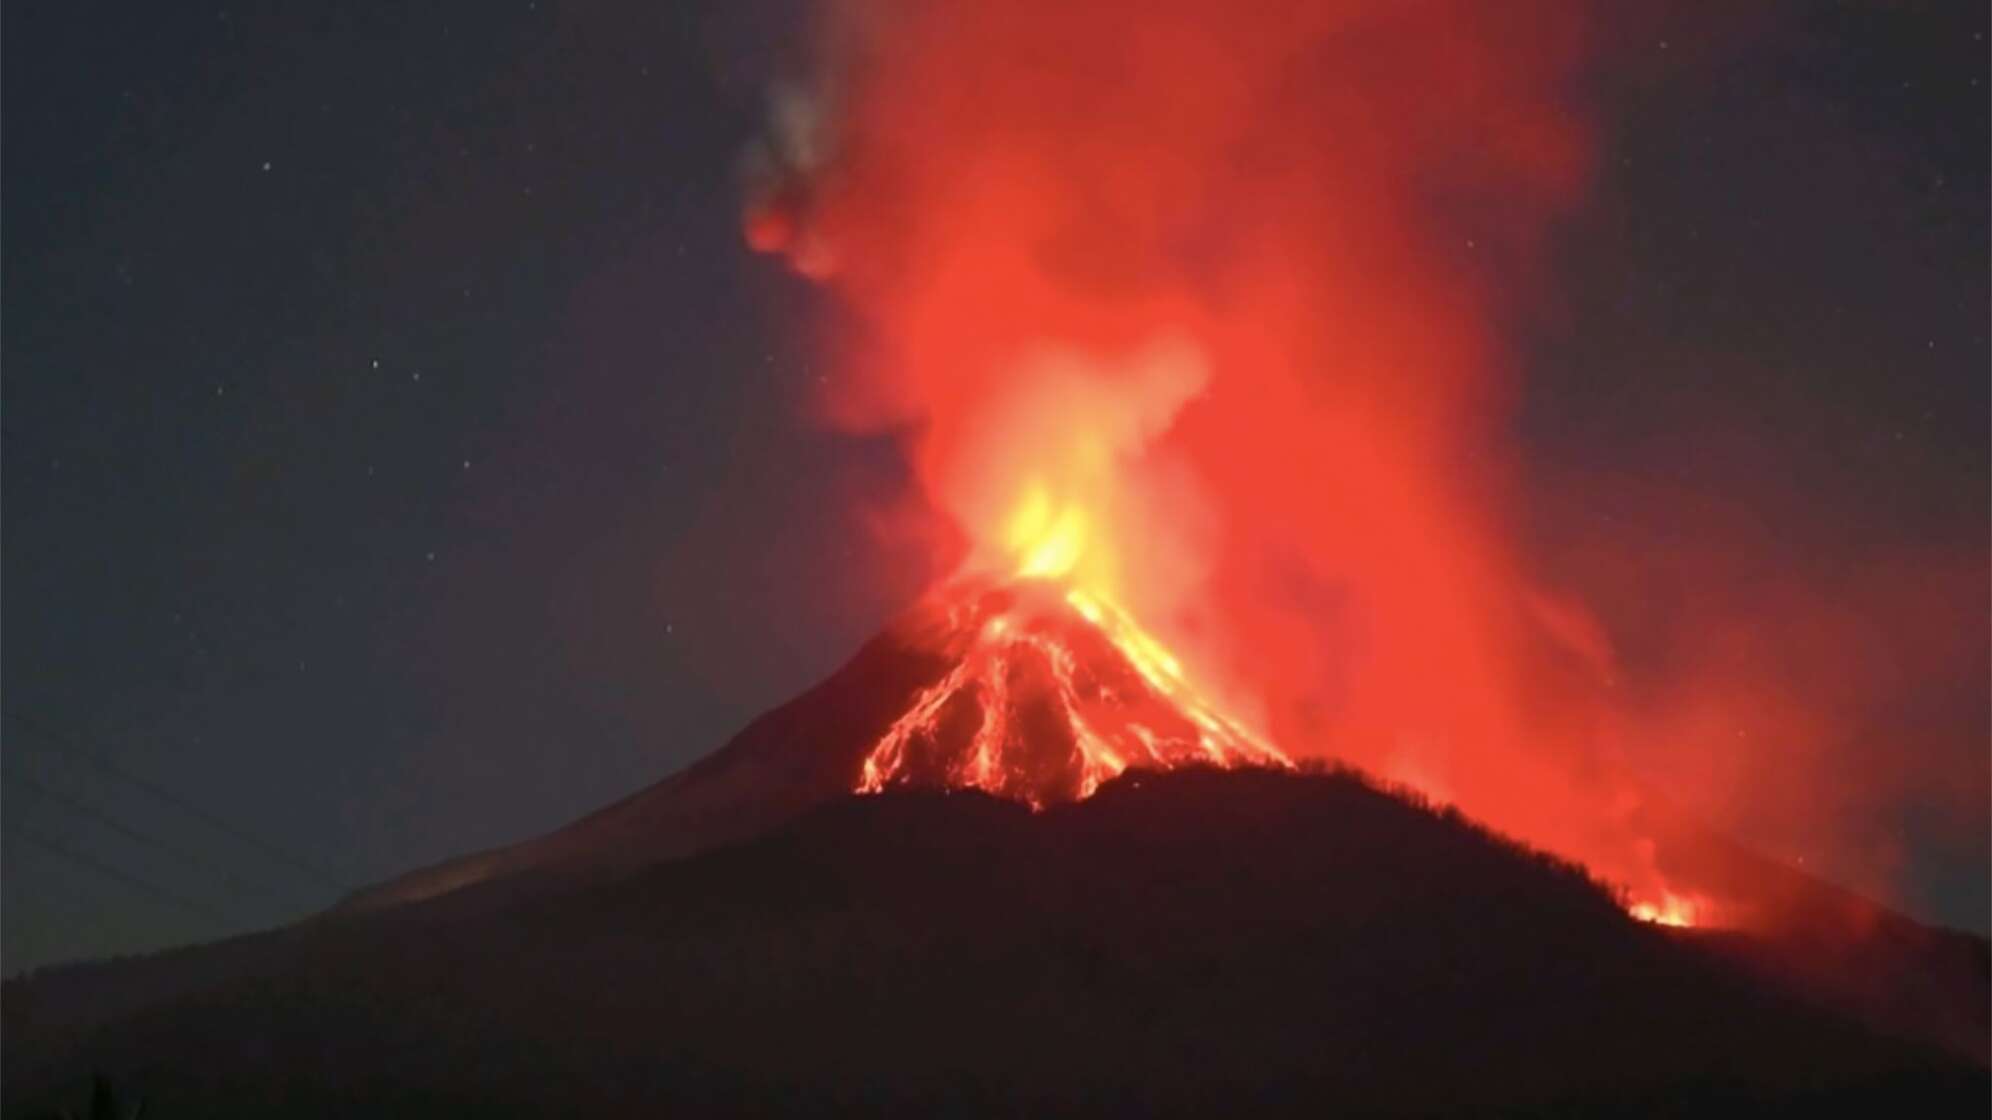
(1052, 692)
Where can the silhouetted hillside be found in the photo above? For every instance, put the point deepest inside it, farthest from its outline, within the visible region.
(1190, 943)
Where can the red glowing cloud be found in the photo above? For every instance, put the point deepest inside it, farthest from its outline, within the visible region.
(1199, 309)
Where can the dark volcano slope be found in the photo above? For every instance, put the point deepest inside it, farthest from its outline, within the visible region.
(1193, 943)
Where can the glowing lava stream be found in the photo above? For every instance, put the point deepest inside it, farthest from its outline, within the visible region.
(1053, 691)
(1053, 688)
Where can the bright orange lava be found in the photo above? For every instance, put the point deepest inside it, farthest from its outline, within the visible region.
(1670, 910)
(1052, 691)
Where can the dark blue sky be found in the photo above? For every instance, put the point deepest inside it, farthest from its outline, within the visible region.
(401, 453)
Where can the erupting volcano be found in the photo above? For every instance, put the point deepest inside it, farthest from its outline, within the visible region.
(1293, 687)
(1199, 327)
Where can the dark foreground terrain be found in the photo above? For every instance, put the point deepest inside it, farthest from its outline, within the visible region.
(1194, 943)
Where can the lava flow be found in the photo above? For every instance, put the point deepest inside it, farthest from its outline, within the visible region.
(1052, 691)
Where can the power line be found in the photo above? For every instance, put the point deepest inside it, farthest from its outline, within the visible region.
(78, 901)
(99, 760)
(79, 806)
(107, 870)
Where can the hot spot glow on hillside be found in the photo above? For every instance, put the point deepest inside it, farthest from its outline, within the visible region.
(1667, 909)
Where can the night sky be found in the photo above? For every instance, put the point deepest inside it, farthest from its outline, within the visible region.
(403, 456)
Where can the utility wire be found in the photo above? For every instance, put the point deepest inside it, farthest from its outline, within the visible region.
(192, 859)
(98, 759)
(112, 872)
(48, 886)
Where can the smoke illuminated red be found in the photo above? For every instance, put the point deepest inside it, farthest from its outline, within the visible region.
(1198, 315)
